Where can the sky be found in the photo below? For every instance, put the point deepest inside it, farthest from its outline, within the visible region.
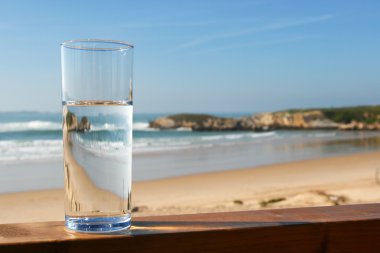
(201, 56)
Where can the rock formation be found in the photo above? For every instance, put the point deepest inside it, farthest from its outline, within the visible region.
(73, 124)
(312, 119)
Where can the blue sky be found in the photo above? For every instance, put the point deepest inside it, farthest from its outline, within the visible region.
(202, 56)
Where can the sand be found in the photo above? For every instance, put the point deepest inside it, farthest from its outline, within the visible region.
(328, 181)
(82, 194)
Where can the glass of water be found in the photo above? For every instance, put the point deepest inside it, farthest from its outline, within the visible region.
(97, 134)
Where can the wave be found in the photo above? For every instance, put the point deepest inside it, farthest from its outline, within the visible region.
(238, 136)
(142, 145)
(234, 136)
(35, 125)
(260, 135)
(105, 127)
(34, 149)
(142, 126)
(138, 126)
(184, 129)
(30, 150)
(213, 138)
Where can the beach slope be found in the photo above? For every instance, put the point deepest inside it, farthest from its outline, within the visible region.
(328, 181)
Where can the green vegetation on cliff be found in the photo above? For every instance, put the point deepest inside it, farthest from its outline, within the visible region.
(365, 114)
(345, 115)
(344, 118)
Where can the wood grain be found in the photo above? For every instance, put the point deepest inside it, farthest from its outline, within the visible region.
(353, 228)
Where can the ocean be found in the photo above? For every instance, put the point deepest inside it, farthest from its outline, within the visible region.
(28, 136)
(35, 138)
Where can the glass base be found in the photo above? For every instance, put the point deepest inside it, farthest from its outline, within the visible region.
(98, 224)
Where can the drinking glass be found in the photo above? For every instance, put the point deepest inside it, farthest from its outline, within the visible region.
(97, 134)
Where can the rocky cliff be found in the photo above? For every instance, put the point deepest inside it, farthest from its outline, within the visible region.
(74, 125)
(312, 119)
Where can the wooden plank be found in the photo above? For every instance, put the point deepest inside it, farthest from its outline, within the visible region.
(353, 228)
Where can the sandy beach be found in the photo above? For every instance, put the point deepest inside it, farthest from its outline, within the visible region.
(328, 181)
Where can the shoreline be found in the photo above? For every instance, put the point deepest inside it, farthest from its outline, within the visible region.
(339, 180)
(217, 153)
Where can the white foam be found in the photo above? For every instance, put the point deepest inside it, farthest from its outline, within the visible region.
(43, 149)
(105, 127)
(234, 136)
(212, 138)
(35, 125)
(260, 135)
(140, 125)
(237, 136)
(184, 129)
(30, 150)
(143, 126)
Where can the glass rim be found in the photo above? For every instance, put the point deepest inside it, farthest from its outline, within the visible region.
(122, 45)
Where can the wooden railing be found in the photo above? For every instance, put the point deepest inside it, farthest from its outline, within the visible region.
(353, 228)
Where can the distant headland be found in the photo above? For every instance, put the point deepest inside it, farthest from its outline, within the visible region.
(343, 118)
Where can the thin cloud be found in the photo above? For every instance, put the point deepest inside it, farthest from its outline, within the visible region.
(290, 39)
(155, 24)
(170, 24)
(269, 27)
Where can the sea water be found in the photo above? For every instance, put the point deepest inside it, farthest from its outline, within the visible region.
(31, 148)
(97, 141)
